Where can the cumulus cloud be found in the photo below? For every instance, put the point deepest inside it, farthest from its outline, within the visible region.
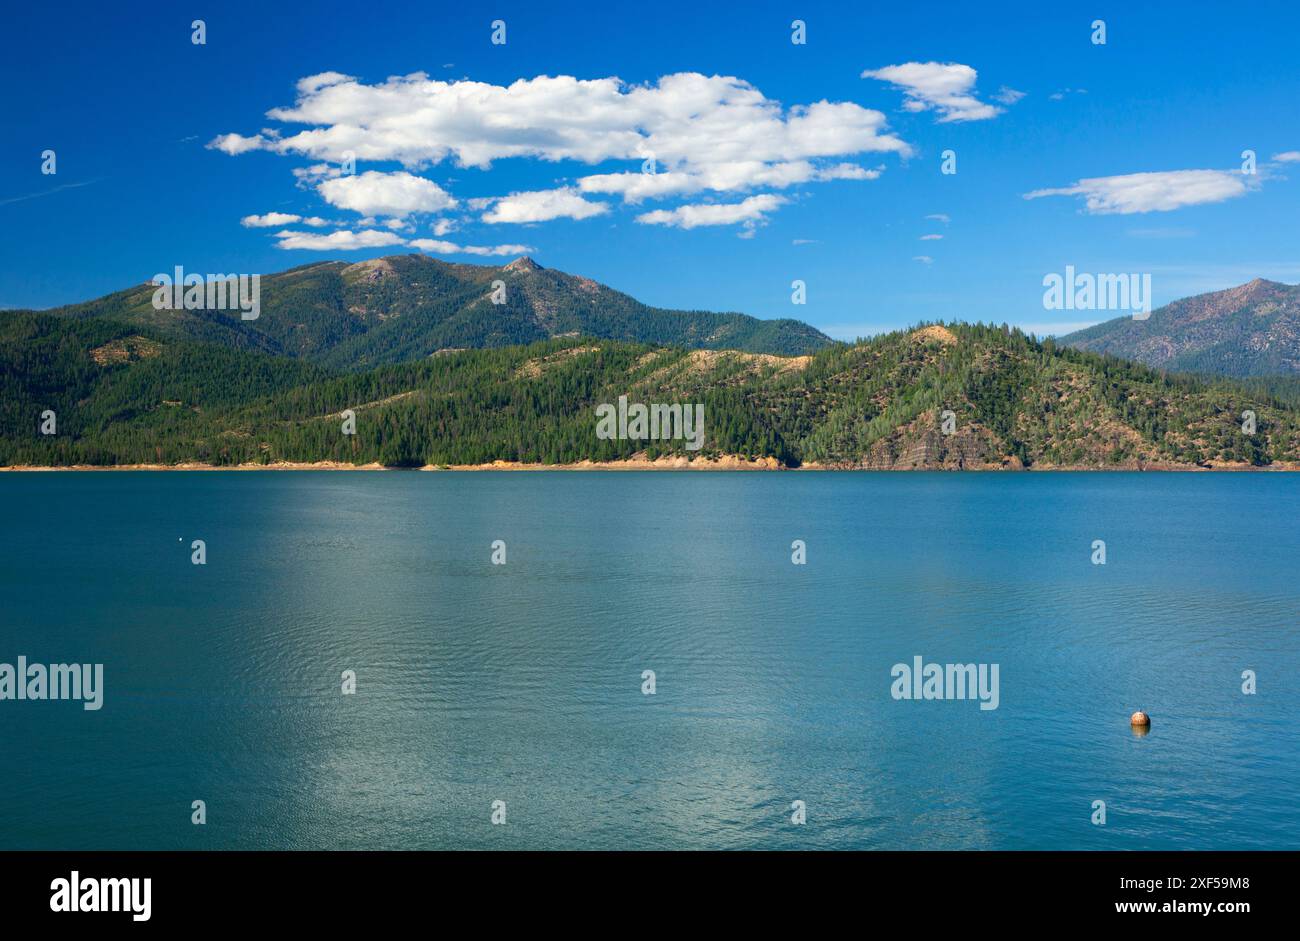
(635, 187)
(1288, 156)
(540, 206)
(1153, 192)
(437, 247)
(314, 83)
(697, 132)
(683, 119)
(947, 88)
(722, 177)
(312, 175)
(847, 171)
(749, 211)
(235, 144)
(342, 240)
(272, 219)
(268, 220)
(396, 195)
(347, 240)
(1008, 96)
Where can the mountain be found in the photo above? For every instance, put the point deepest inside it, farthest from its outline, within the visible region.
(1251, 330)
(407, 307)
(125, 394)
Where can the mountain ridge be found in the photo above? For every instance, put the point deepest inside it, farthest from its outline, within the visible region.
(1252, 329)
(398, 308)
(941, 396)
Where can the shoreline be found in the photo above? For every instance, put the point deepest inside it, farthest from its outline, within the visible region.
(724, 463)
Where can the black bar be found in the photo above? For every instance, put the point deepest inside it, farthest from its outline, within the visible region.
(636, 891)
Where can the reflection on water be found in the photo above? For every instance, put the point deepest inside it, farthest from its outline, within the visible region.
(522, 682)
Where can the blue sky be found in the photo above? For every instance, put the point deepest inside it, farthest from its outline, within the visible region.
(759, 183)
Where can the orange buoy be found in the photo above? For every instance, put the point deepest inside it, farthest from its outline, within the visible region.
(1139, 718)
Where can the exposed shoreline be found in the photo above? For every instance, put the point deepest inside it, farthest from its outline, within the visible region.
(724, 463)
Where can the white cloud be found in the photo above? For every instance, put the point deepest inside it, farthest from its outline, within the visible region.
(923, 259)
(445, 226)
(939, 217)
(847, 171)
(747, 211)
(683, 119)
(235, 144)
(722, 177)
(1288, 156)
(272, 219)
(635, 187)
(268, 220)
(314, 83)
(699, 132)
(310, 176)
(1008, 96)
(342, 240)
(385, 194)
(1153, 192)
(437, 247)
(930, 238)
(346, 240)
(937, 86)
(541, 206)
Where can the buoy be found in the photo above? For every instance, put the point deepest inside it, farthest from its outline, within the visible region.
(1139, 718)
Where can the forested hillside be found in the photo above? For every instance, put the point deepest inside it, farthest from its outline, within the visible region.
(407, 307)
(125, 394)
(1250, 330)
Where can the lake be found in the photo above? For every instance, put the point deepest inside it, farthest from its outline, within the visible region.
(523, 682)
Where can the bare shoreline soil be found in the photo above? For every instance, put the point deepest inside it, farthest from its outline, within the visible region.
(722, 463)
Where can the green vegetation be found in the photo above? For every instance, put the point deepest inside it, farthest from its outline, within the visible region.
(126, 393)
(407, 307)
(1250, 330)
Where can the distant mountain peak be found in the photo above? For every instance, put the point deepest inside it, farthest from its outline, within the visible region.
(523, 263)
(1262, 285)
(400, 308)
(1252, 329)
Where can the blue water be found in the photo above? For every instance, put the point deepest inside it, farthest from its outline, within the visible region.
(522, 682)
